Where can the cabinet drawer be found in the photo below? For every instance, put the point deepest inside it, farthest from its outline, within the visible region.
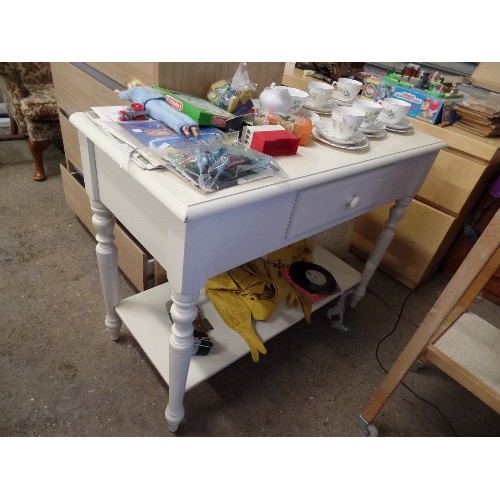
(196, 77)
(77, 91)
(420, 240)
(125, 72)
(451, 181)
(71, 144)
(135, 263)
(321, 207)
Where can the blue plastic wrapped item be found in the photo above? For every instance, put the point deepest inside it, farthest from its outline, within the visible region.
(215, 166)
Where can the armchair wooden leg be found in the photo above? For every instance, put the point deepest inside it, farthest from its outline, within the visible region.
(13, 127)
(37, 148)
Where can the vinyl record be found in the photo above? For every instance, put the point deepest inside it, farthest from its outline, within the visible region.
(311, 277)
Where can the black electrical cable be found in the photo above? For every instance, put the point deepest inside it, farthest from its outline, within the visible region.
(402, 383)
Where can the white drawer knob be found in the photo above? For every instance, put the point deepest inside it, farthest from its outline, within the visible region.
(352, 201)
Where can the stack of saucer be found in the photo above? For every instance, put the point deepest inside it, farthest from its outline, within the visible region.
(404, 126)
(326, 109)
(374, 129)
(340, 100)
(323, 131)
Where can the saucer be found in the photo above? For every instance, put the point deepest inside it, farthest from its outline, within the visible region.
(325, 130)
(325, 110)
(341, 102)
(360, 145)
(404, 124)
(372, 128)
(377, 135)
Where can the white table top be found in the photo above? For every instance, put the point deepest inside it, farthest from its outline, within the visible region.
(312, 165)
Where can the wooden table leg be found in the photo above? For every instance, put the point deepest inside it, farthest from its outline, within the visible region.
(383, 241)
(184, 311)
(104, 221)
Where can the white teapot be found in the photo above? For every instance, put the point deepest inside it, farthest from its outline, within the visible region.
(275, 98)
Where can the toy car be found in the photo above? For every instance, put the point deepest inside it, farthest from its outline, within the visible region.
(133, 112)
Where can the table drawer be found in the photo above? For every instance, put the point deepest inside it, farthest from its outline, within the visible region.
(320, 207)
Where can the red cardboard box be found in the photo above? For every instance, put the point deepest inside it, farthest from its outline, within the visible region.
(275, 142)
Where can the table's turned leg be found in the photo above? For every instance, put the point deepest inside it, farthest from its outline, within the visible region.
(184, 311)
(383, 241)
(104, 221)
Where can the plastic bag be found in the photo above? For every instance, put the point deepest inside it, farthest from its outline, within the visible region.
(214, 166)
(234, 95)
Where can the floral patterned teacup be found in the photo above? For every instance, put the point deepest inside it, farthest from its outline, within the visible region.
(346, 121)
(346, 89)
(320, 94)
(393, 110)
(371, 108)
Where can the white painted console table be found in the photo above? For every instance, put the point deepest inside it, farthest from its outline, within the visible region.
(196, 236)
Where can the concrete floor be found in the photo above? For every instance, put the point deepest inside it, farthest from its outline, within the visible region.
(61, 375)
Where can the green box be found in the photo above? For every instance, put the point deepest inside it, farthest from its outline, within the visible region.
(201, 110)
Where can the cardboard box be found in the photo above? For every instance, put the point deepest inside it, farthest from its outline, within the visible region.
(424, 105)
(201, 110)
(275, 142)
(371, 88)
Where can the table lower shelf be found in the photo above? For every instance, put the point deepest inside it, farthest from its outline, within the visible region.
(469, 352)
(145, 315)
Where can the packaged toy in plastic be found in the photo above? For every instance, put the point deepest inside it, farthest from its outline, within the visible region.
(214, 166)
(234, 95)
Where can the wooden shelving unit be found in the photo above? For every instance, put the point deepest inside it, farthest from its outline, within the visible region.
(464, 346)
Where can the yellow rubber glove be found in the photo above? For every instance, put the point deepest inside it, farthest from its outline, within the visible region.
(253, 290)
(236, 314)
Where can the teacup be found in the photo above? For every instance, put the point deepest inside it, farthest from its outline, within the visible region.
(372, 109)
(393, 110)
(299, 98)
(346, 121)
(320, 94)
(346, 89)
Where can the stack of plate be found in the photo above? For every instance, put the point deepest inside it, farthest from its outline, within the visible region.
(375, 130)
(328, 107)
(336, 98)
(324, 110)
(403, 127)
(323, 131)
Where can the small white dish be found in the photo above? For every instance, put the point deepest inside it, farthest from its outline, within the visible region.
(372, 127)
(342, 103)
(324, 110)
(376, 135)
(404, 124)
(360, 145)
(325, 129)
(339, 98)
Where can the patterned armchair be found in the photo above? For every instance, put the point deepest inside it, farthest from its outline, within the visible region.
(30, 100)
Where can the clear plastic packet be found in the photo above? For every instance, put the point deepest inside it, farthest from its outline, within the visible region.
(217, 165)
(233, 95)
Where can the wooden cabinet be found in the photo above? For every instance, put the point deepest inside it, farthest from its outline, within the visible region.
(79, 86)
(434, 219)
